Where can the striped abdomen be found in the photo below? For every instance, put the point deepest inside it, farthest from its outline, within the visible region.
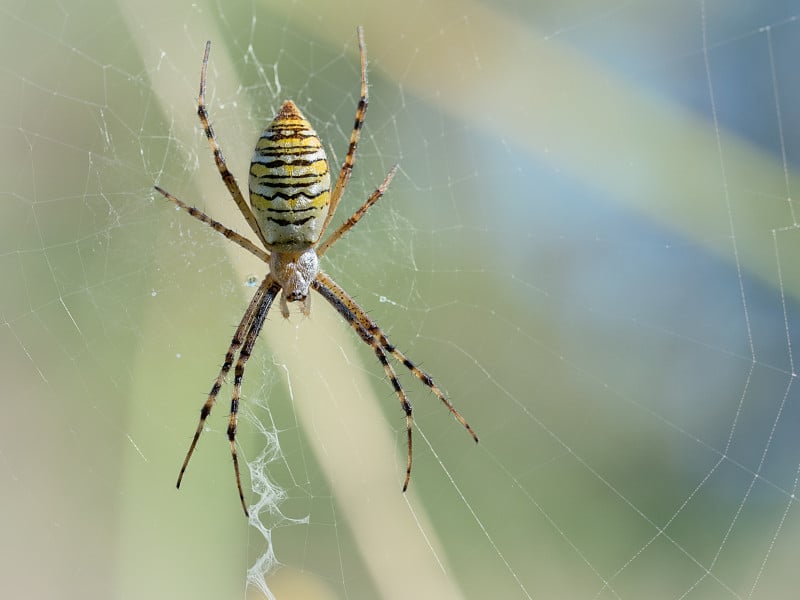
(290, 182)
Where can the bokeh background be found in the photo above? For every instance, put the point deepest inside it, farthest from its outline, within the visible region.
(591, 244)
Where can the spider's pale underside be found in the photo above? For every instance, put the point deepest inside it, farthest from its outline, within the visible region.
(291, 206)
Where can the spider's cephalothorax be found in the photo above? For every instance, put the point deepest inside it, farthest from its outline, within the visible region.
(292, 206)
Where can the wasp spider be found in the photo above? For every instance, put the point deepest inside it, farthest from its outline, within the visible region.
(291, 206)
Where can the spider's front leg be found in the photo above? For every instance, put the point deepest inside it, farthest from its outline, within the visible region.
(244, 355)
(239, 337)
(340, 303)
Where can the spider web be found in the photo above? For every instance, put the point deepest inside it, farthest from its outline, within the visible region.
(591, 245)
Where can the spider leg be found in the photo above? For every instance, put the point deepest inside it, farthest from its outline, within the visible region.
(236, 343)
(401, 394)
(217, 226)
(363, 320)
(244, 355)
(350, 157)
(362, 210)
(219, 159)
(342, 307)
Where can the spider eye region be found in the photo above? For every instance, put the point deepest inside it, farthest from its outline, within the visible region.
(290, 182)
(294, 272)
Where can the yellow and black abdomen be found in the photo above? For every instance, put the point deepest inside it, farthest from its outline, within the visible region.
(290, 182)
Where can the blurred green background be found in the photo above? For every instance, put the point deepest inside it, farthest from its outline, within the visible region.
(591, 245)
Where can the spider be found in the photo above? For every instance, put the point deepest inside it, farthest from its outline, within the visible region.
(291, 206)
